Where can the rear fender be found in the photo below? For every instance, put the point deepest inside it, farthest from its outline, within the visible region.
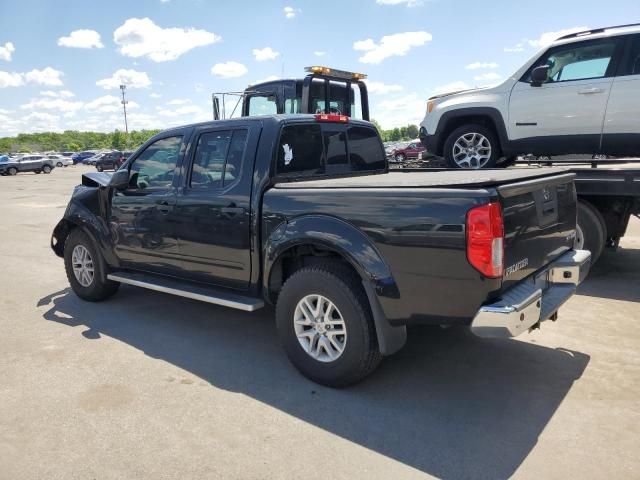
(356, 248)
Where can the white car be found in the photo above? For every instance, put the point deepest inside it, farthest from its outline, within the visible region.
(579, 95)
(60, 161)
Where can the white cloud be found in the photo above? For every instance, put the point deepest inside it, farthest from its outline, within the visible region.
(81, 39)
(179, 101)
(185, 110)
(47, 76)
(397, 44)
(57, 94)
(229, 70)
(518, 47)
(408, 3)
(57, 104)
(399, 111)
(131, 78)
(451, 87)
(266, 53)
(319, 53)
(155, 95)
(291, 12)
(487, 76)
(7, 51)
(140, 37)
(108, 103)
(11, 79)
(547, 38)
(381, 88)
(481, 65)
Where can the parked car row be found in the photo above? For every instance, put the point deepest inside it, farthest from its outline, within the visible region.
(399, 152)
(26, 163)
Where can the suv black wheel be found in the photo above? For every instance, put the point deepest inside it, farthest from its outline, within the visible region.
(83, 268)
(591, 230)
(325, 325)
(471, 146)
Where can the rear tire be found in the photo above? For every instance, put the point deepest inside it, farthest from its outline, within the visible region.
(591, 230)
(87, 286)
(37, 172)
(99, 169)
(58, 164)
(488, 145)
(360, 354)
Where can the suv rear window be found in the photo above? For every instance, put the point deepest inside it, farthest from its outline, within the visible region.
(328, 148)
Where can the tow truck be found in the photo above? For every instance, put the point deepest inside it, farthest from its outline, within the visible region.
(323, 90)
(607, 198)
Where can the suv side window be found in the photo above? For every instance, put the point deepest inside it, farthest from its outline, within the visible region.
(218, 159)
(632, 66)
(581, 61)
(155, 166)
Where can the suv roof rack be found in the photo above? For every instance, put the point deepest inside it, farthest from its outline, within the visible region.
(596, 30)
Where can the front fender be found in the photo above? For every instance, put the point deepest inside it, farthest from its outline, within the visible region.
(336, 235)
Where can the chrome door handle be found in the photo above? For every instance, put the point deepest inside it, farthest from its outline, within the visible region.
(590, 91)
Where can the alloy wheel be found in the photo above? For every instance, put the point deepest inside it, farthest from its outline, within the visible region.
(472, 150)
(82, 264)
(320, 328)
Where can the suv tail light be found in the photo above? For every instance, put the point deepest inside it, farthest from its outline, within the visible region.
(330, 117)
(485, 239)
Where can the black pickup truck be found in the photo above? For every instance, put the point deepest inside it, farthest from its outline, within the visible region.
(300, 211)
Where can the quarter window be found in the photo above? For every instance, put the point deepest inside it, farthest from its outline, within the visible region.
(365, 150)
(300, 150)
(155, 166)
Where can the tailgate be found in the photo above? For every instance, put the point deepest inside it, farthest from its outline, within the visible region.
(539, 223)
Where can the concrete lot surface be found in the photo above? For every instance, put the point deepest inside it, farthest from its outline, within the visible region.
(152, 386)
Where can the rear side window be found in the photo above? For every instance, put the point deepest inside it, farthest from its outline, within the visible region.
(633, 63)
(365, 149)
(218, 159)
(300, 150)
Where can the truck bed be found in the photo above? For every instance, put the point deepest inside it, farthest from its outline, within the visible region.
(414, 178)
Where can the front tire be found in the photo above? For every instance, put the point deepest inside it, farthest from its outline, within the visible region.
(99, 169)
(591, 230)
(325, 325)
(400, 158)
(46, 169)
(12, 171)
(471, 146)
(83, 268)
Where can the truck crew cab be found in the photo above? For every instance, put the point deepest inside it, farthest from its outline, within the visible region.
(300, 211)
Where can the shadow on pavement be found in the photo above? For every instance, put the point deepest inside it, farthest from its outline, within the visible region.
(449, 404)
(615, 276)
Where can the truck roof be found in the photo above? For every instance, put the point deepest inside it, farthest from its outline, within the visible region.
(283, 118)
(598, 33)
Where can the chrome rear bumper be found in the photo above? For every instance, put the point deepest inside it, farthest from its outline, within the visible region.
(534, 299)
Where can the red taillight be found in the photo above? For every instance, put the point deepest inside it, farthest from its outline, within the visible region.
(485, 239)
(329, 117)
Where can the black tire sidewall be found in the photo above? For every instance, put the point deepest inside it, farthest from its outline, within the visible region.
(310, 281)
(471, 128)
(593, 229)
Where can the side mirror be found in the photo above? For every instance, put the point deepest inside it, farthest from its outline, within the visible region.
(216, 108)
(539, 75)
(119, 179)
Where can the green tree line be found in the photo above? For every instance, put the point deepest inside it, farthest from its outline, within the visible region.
(74, 141)
(410, 132)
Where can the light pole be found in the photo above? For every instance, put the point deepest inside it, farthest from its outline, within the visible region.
(124, 108)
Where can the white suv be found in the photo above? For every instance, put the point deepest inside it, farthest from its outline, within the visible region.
(579, 95)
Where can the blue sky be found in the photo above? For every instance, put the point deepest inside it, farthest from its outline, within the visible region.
(61, 61)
